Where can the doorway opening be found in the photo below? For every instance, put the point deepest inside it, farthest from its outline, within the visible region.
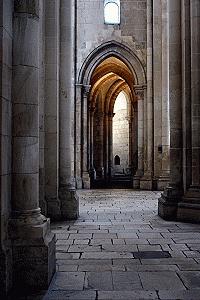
(112, 125)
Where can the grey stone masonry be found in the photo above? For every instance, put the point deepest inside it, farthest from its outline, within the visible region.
(33, 244)
(95, 254)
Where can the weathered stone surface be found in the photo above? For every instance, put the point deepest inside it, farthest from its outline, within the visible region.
(132, 295)
(99, 281)
(161, 280)
(126, 281)
(68, 281)
(61, 70)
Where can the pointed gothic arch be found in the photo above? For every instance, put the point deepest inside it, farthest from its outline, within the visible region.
(135, 76)
(132, 59)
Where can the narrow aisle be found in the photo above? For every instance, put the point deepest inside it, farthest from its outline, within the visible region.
(120, 249)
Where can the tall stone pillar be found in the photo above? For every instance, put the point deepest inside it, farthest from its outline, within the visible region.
(106, 143)
(146, 181)
(167, 207)
(110, 144)
(6, 11)
(195, 92)
(100, 169)
(67, 192)
(85, 134)
(189, 208)
(91, 130)
(139, 93)
(51, 107)
(134, 137)
(33, 243)
(163, 179)
(77, 136)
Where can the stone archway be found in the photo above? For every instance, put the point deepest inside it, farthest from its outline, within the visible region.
(109, 70)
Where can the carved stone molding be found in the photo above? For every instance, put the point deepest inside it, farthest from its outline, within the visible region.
(86, 90)
(139, 92)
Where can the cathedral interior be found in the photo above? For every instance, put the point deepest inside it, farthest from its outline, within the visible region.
(100, 149)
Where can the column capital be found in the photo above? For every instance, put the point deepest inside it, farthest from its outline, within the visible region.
(139, 91)
(27, 7)
(86, 90)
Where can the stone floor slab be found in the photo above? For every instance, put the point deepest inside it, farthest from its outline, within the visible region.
(191, 279)
(126, 281)
(71, 295)
(127, 295)
(68, 281)
(98, 281)
(161, 280)
(180, 294)
(112, 225)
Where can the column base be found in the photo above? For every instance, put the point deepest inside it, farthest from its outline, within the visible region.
(168, 203)
(79, 183)
(136, 179)
(189, 207)
(69, 203)
(33, 250)
(136, 182)
(5, 283)
(53, 209)
(162, 182)
(146, 183)
(86, 180)
(93, 174)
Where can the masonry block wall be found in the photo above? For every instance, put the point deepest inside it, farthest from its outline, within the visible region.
(92, 32)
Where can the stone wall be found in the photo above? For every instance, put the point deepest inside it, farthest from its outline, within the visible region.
(92, 32)
(121, 141)
(121, 135)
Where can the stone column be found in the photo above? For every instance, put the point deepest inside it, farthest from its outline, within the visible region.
(134, 137)
(91, 129)
(51, 119)
(130, 120)
(168, 202)
(195, 92)
(105, 144)
(6, 12)
(67, 192)
(100, 170)
(146, 181)
(78, 141)
(85, 133)
(164, 151)
(189, 208)
(110, 144)
(139, 93)
(33, 243)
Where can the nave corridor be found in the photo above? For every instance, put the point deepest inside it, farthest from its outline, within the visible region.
(120, 248)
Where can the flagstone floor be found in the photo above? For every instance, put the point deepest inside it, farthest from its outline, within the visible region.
(120, 249)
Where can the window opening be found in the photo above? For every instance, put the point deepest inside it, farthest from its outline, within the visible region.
(117, 160)
(112, 12)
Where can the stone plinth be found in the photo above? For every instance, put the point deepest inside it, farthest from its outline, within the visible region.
(33, 254)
